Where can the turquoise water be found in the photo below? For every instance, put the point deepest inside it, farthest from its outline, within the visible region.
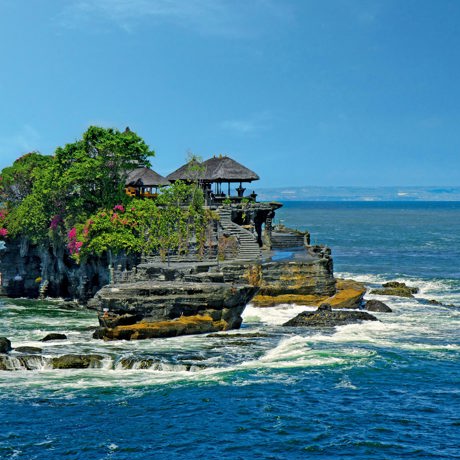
(380, 390)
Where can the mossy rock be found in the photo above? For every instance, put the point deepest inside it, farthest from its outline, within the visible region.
(76, 361)
(395, 288)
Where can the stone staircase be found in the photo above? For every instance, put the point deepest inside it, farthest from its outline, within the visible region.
(248, 248)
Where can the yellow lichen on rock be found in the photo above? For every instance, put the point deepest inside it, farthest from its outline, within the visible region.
(349, 294)
(174, 327)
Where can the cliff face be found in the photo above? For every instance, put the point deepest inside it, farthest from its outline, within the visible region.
(165, 301)
(25, 268)
(297, 280)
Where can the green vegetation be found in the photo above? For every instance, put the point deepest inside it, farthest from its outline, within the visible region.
(77, 198)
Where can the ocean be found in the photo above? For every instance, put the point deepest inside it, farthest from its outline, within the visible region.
(377, 390)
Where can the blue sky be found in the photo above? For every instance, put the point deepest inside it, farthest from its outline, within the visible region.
(305, 92)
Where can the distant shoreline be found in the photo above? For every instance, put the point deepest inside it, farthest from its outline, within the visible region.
(361, 194)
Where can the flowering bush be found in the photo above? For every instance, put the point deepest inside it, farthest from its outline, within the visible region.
(74, 245)
(55, 221)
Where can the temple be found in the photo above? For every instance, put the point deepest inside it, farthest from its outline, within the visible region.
(224, 181)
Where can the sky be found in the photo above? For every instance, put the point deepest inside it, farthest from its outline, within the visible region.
(304, 92)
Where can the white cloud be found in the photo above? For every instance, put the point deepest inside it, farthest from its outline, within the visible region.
(232, 18)
(251, 125)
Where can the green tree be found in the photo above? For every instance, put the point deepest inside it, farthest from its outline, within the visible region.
(17, 181)
(91, 172)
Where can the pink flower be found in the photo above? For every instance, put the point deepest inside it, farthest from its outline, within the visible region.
(3, 232)
(72, 234)
(119, 207)
(55, 222)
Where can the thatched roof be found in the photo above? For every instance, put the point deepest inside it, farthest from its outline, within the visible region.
(225, 169)
(190, 171)
(216, 169)
(145, 177)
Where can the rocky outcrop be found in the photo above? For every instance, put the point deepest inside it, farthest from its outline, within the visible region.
(307, 283)
(169, 308)
(296, 280)
(324, 316)
(377, 305)
(185, 325)
(5, 345)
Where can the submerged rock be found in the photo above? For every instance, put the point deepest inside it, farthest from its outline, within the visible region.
(5, 345)
(324, 316)
(76, 361)
(395, 288)
(377, 305)
(54, 336)
(24, 362)
(28, 350)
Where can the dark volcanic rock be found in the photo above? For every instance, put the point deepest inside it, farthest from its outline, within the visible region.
(151, 309)
(377, 305)
(76, 361)
(53, 336)
(28, 350)
(396, 288)
(5, 345)
(324, 316)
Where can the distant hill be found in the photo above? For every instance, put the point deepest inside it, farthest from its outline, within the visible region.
(344, 193)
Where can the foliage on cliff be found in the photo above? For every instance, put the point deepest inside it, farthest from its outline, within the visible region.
(77, 199)
(168, 224)
(40, 192)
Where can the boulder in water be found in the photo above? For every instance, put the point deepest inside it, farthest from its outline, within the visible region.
(76, 361)
(5, 345)
(31, 350)
(396, 288)
(54, 336)
(324, 316)
(377, 305)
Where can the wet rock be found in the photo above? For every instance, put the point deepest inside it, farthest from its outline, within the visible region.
(152, 309)
(76, 361)
(377, 305)
(324, 316)
(395, 288)
(240, 336)
(348, 294)
(5, 345)
(299, 281)
(28, 349)
(54, 336)
(24, 362)
(185, 325)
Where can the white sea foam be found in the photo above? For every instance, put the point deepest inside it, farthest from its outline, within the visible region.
(276, 315)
